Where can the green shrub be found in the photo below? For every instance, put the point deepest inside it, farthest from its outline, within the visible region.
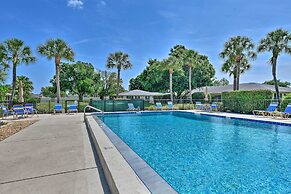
(286, 101)
(246, 101)
(198, 96)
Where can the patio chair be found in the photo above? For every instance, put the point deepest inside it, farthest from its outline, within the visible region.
(19, 110)
(58, 108)
(5, 111)
(131, 107)
(214, 106)
(170, 105)
(272, 107)
(72, 108)
(286, 114)
(159, 106)
(30, 109)
(199, 106)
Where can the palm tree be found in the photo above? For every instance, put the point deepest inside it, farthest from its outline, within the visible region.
(231, 68)
(170, 64)
(236, 54)
(3, 65)
(16, 52)
(57, 49)
(276, 42)
(27, 86)
(120, 61)
(191, 58)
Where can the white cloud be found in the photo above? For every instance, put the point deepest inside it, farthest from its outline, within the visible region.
(103, 3)
(75, 3)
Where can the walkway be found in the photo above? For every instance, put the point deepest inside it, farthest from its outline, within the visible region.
(51, 156)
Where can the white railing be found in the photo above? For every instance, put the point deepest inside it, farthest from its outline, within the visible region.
(91, 107)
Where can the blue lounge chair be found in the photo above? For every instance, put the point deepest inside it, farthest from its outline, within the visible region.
(287, 112)
(272, 107)
(170, 105)
(19, 110)
(5, 111)
(58, 108)
(30, 109)
(73, 108)
(214, 106)
(159, 106)
(199, 105)
(131, 107)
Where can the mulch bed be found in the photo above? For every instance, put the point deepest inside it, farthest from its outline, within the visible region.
(8, 129)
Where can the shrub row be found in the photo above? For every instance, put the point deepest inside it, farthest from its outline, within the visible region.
(246, 101)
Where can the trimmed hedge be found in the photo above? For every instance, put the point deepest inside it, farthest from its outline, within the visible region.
(246, 101)
(286, 101)
(198, 96)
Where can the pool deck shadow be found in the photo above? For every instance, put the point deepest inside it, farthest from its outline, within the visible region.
(54, 155)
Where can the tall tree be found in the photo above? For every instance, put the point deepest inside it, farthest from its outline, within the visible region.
(170, 64)
(279, 82)
(3, 76)
(27, 86)
(276, 42)
(120, 61)
(156, 79)
(14, 52)
(221, 82)
(57, 49)
(49, 91)
(108, 84)
(236, 53)
(77, 78)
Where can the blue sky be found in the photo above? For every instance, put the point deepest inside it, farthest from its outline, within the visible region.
(144, 29)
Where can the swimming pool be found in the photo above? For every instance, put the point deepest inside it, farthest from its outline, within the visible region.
(198, 153)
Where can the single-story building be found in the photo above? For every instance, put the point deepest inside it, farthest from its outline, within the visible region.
(140, 94)
(244, 86)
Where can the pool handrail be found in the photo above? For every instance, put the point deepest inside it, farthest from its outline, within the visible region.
(91, 107)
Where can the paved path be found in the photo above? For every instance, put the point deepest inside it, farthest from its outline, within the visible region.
(52, 156)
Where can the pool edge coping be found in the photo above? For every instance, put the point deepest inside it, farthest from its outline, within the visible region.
(119, 175)
(150, 178)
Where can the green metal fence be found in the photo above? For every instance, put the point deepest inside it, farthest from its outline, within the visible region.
(116, 105)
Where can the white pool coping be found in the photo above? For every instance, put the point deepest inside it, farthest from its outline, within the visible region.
(119, 175)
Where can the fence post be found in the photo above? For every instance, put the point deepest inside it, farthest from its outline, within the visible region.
(65, 106)
(49, 108)
(104, 105)
(113, 104)
(79, 106)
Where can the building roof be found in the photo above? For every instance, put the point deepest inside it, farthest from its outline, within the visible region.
(244, 86)
(141, 93)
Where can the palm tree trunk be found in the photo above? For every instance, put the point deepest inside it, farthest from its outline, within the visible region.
(58, 87)
(13, 85)
(238, 74)
(118, 80)
(234, 82)
(274, 72)
(171, 82)
(190, 84)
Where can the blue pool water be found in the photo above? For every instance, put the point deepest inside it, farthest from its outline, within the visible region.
(196, 153)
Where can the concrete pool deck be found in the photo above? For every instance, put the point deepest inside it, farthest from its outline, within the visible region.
(53, 155)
